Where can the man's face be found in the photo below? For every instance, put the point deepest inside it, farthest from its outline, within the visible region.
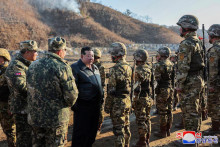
(63, 53)
(2, 60)
(210, 40)
(31, 55)
(158, 57)
(88, 58)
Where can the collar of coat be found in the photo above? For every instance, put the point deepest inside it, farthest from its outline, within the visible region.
(23, 60)
(191, 34)
(82, 66)
(53, 55)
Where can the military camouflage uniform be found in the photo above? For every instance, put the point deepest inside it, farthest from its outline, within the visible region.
(16, 79)
(102, 74)
(118, 97)
(142, 99)
(119, 101)
(6, 119)
(51, 92)
(164, 91)
(190, 81)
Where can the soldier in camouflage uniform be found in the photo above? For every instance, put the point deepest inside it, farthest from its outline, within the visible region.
(164, 75)
(6, 118)
(142, 101)
(51, 92)
(173, 59)
(190, 66)
(16, 79)
(214, 77)
(97, 56)
(118, 102)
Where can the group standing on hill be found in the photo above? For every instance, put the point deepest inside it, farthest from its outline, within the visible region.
(36, 95)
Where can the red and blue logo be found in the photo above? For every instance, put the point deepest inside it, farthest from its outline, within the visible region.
(189, 137)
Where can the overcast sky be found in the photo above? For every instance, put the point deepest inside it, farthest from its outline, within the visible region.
(168, 12)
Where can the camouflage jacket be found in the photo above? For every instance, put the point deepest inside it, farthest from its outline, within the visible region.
(120, 79)
(51, 91)
(164, 73)
(214, 64)
(16, 79)
(189, 58)
(101, 71)
(142, 80)
(4, 91)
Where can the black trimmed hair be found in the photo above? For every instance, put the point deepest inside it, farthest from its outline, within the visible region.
(84, 49)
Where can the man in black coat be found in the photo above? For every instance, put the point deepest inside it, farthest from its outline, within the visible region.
(86, 109)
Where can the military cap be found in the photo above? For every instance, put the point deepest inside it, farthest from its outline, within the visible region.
(188, 21)
(214, 30)
(30, 45)
(56, 43)
(97, 53)
(4, 53)
(118, 49)
(164, 51)
(140, 55)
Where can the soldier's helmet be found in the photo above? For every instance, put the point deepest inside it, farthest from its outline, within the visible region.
(4, 53)
(97, 53)
(56, 44)
(30, 45)
(214, 30)
(118, 49)
(140, 55)
(164, 51)
(188, 21)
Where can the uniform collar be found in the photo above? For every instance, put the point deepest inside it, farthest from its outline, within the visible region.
(53, 55)
(82, 66)
(23, 60)
(191, 34)
(217, 42)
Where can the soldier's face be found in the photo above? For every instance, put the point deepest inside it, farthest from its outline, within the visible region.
(2, 60)
(210, 40)
(31, 55)
(88, 58)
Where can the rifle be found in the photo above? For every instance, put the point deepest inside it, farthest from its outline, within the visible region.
(133, 81)
(205, 73)
(152, 79)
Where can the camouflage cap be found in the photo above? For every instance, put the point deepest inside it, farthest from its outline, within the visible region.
(214, 30)
(4, 53)
(30, 45)
(140, 55)
(188, 21)
(56, 43)
(97, 53)
(118, 49)
(164, 51)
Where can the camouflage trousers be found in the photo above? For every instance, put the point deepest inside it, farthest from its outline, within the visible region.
(142, 107)
(23, 131)
(8, 124)
(191, 103)
(164, 103)
(175, 98)
(49, 137)
(214, 104)
(101, 116)
(120, 119)
(203, 98)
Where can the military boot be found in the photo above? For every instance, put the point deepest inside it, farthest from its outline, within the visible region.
(168, 129)
(204, 115)
(162, 133)
(214, 130)
(180, 125)
(141, 142)
(148, 139)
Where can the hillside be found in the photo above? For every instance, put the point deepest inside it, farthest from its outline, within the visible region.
(97, 26)
(128, 27)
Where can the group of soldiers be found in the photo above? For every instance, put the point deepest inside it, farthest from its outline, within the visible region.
(173, 78)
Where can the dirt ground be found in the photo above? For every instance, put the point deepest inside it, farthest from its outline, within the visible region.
(106, 137)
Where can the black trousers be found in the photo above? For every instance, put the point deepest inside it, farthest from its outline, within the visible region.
(86, 117)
